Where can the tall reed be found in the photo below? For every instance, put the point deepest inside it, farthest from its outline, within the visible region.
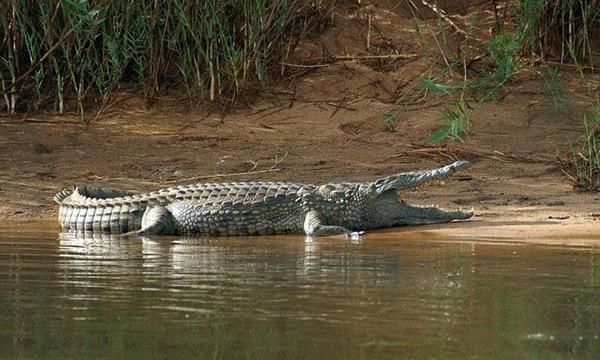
(562, 29)
(63, 55)
(585, 156)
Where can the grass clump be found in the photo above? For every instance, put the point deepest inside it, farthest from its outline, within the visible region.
(436, 87)
(555, 90)
(585, 161)
(503, 65)
(554, 31)
(457, 124)
(503, 50)
(61, 55)
(561, 29)
(389, 119)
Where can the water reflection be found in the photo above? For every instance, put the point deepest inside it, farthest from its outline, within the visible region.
(212, 273)
(226, 257)
(279, 297)
(332, 281)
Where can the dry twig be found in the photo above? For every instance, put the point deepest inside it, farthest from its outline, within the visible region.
(442, 14)
(334, 58)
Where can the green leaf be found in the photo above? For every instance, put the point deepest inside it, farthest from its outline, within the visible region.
(436, 87)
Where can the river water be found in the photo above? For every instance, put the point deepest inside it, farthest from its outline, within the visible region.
(391, 296)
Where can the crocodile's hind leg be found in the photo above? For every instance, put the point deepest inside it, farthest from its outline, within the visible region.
(313, 226)
(158, 220)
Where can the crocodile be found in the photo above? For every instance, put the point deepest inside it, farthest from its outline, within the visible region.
(255, 208)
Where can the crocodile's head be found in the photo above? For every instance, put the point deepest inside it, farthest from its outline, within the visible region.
(392, 210)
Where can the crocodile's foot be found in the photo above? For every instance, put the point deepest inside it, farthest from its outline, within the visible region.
(356, 235)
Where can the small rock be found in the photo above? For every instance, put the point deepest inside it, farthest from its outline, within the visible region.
(42, 148)
(560, 217)
(463, 178)
(45, 175)
(177, 173)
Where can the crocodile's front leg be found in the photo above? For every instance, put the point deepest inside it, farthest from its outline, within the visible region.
(313, 226)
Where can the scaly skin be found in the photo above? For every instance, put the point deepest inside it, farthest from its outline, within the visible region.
(255, 208)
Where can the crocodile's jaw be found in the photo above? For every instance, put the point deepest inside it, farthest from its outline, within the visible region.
(410, 214)
(394, 212)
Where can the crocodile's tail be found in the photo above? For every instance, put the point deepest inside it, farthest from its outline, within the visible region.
(99, 210)
(61, 199)
(413, 179)
(62, 195)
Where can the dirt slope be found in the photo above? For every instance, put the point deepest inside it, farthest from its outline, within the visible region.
(322, 124)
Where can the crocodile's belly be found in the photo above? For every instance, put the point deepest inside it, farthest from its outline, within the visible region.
(262, 218)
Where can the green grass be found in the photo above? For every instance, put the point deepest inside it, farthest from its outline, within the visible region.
(436, 87)
(389, 119)
(68, 55)
(456, 124)
(557, 29)
(585, 159)
(503, 64)
(555, 90)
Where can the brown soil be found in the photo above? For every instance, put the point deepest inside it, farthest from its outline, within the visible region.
(323, 124)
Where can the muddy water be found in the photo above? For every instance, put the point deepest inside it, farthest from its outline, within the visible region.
(391, 296)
